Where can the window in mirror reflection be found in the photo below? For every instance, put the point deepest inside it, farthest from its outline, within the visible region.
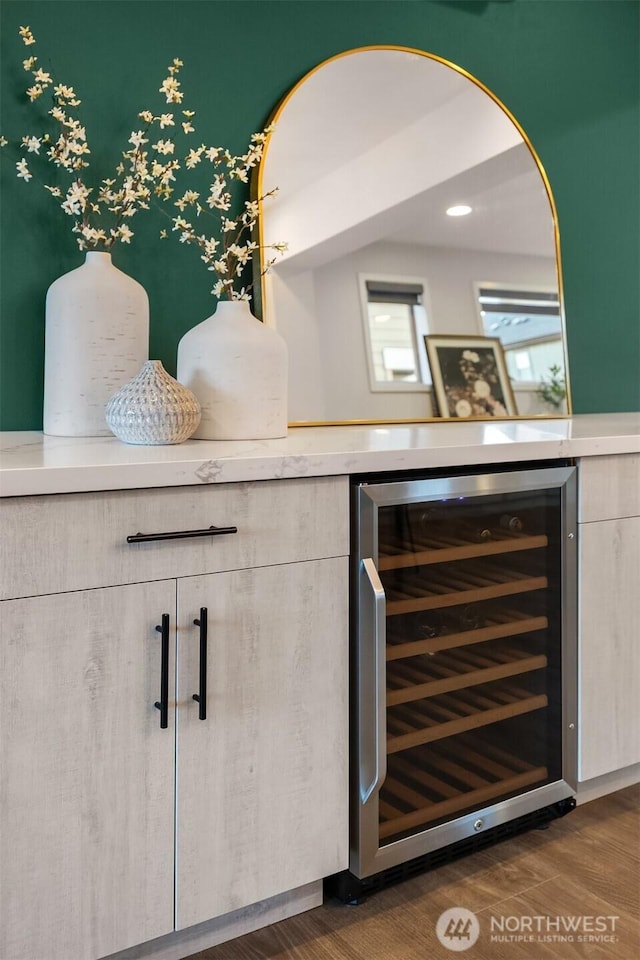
(529, 325)
(395, 324)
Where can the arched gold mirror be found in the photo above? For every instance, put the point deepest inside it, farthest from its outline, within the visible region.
(393, 307)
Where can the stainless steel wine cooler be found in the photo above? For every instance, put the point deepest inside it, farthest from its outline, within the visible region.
(464, 662)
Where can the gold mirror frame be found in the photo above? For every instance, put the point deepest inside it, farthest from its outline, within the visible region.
(259, 187)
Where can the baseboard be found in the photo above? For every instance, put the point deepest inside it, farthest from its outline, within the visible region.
(609, 783)
(184, 943)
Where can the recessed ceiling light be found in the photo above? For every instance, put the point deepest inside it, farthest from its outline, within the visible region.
(461, 210)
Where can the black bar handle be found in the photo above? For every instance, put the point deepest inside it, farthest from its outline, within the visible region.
(201, 696)
(179, 534)
(163, 703)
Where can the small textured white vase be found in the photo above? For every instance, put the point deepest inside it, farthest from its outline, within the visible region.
(237, 368)
(153, 408)
(96, 339)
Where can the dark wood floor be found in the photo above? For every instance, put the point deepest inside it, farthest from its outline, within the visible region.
(586, 864)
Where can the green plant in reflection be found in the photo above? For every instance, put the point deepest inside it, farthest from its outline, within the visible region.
(553, 390)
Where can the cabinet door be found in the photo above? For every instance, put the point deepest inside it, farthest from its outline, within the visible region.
(86, 797)
(262, 782)
(609, 646)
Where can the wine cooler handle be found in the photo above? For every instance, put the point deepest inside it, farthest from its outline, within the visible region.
(372, 699)
(201, 696)
(163, 703)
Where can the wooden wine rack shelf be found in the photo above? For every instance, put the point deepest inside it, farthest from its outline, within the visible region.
(447, 781)
(430, 676)
(510, 623)
(446, 716)
(447, 550)
(464, 585)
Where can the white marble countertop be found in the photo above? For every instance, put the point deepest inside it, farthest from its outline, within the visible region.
(31, 463)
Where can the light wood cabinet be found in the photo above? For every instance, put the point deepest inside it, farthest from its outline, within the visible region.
(93, 818)
(609, 615)
(263, 782)
(87, 775)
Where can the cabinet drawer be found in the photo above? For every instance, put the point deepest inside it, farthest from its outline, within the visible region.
(58, 543)
(609, 487)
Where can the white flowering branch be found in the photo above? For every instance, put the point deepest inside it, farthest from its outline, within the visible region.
(100, 216)
(229, 247)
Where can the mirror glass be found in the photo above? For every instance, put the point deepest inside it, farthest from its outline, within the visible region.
(385, 292)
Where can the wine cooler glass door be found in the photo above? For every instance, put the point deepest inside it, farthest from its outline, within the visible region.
(466, 657)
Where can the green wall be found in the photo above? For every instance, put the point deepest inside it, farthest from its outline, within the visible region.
(567, 69)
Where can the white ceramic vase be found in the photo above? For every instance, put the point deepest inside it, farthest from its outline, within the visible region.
(237, 368)
(153, 408)
(96, 340)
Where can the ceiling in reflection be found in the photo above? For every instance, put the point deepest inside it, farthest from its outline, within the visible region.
(506, 217)
(421, 104)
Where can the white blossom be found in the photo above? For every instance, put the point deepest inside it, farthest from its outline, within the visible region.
(32, 144)
(76, 198)
(239, 173)
(193, 158)
(23, 170)
(210, 246)
(171, 89)
(65, 93)
(241, 254)
(42, 77)
(27, 36)
(164, 146)
(123, 233)
(137, 138)
(92, 235)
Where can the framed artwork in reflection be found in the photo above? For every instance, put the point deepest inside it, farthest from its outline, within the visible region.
(469, 377)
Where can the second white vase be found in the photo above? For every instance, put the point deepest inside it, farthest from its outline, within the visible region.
(237, 368)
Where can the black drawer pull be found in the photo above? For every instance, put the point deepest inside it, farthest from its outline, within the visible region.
(201, 696)
(180, 534)
(163, 703)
